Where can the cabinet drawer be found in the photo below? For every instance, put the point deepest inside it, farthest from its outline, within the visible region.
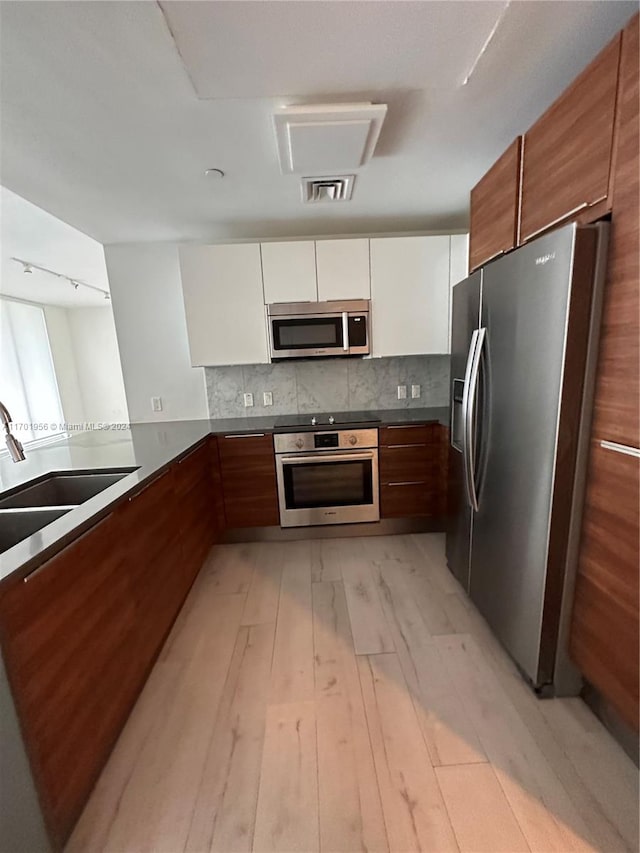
(494, 208)
(409, 462)
(192, 470)
(408, 500)
(408, 434)
(604, 622)
(566, 155)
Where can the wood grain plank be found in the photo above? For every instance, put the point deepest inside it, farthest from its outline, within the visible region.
(264, 590)
(494, 208)
(617, 397)
(605, 623)
(371, 634)
(447, 730)
(326, 560)
(545, 812)
(292, 667)
(602, 765)
(350, 810)
(224, 812)
(228, 570)
(431, 602)
(156, 804)
(414, 811)
(287, 812)
(481, 816)
(567, 152)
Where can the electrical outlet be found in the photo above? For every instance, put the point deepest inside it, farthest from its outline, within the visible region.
(415, 392)
(156, 404)
(402, 392)
(267, 398)
(248, 401)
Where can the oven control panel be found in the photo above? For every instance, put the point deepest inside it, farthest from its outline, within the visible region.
(341, 439)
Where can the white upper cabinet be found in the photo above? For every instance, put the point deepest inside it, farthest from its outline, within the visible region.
(222, 288)
(343, 269)
(289, 271)
(410, 295)
(459, 267)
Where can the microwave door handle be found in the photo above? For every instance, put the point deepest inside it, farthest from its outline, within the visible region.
(345, 331)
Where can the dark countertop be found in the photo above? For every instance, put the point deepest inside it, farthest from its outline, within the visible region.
(149, 448)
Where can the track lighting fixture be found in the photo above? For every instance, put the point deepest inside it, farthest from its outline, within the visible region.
(28, 267)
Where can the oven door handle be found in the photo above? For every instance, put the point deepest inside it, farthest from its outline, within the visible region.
(328, 457)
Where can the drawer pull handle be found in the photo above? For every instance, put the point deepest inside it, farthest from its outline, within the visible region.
(406, 426)
(621, 448)
(408, 483)
(393, 446)
(577, 209)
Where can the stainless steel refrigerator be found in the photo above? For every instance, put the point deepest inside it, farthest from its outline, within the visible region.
(524, 340)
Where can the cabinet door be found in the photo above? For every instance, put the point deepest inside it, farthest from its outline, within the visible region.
(196, 509)
(410, 295)
(343, 269)
(494, 208)
(289, 272)
(149, 526)
(69, 641)
(617, 401)
(222, 288)
(604, 623)
(247, 465)
(567, 152)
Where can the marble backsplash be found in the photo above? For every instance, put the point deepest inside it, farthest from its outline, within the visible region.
(325, 385)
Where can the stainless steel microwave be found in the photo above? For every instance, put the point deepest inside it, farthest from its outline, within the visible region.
(307, 329)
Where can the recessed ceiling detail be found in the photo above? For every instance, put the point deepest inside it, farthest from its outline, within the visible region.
(329, 189)
(327, 137)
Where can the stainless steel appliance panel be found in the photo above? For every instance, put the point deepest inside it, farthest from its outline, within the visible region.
(525, 312)
(327, 477)
(311, 329)
(466, 301)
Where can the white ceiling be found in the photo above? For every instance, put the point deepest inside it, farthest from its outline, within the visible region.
(33, 235)
(111, 111)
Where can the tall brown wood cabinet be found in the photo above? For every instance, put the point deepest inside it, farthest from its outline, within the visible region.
(566, 155)
(604, 631)
(494, 209)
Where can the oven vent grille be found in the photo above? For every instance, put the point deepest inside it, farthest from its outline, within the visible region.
(333, 188)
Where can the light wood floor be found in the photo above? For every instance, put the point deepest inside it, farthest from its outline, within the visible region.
(344, 695)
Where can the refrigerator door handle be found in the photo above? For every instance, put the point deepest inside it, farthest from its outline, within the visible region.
(472, 390)
(466, 420)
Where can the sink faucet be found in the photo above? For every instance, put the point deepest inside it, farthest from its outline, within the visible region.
(15, 447)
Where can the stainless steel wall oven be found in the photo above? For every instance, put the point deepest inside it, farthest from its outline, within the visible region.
(327, 477)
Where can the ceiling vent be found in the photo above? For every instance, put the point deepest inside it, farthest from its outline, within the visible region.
(335, 188)
(327, 137)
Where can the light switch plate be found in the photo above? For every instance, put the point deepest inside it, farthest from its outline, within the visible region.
(248, 401)
(402, 392)
(267, 398)
(415, 392)
(156, 404)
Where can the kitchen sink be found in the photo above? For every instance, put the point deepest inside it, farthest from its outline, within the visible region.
(19, 524)
(62, 488)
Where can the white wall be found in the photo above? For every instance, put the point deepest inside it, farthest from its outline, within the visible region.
(146, 295)
(93, 335)
(64, 363)
(87, 364)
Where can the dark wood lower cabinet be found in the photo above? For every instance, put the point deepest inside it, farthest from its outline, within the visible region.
(80, 634)
(412, 479)
(248, 472)
(69, 639)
